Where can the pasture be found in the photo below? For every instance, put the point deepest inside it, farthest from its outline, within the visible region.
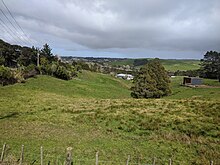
(95, 113)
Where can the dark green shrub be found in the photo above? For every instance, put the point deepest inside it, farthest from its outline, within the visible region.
(151, 81)
(6, 76)
(30, 71)
(62, 73)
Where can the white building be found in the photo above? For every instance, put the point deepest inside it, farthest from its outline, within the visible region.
(125, 76)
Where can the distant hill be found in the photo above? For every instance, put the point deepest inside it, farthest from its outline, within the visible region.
(169, 64)
(174, 65)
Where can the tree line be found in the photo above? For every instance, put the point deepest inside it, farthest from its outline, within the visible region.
(18, 63)
(209, 67)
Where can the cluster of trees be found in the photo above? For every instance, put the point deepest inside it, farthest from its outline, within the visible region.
(190, 73)
(100, 67)
(210, 65)
(18, 63)
(152, 81)
(139, 62)
(14, 55)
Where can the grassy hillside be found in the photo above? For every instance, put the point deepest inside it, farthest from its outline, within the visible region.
(169, 64)
(88, 84)
(123, 62)
(174, 65)
(182, 92)
(94, 113)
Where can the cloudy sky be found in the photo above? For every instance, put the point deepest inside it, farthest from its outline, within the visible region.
(115, 28)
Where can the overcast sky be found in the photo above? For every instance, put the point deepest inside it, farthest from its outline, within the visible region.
(115, 28)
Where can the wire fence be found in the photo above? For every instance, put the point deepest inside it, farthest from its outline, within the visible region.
(9, 158)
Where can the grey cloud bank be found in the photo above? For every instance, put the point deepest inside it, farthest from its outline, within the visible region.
(142, 28)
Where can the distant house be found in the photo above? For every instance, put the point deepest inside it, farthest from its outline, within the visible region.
(192, 81)
(125, 76)
(130, 77)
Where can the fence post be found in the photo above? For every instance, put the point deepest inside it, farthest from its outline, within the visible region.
(154, 161)
(41, 155)
(3, 151)
(97, 158)
(69, 156)
(22, 155)
(211, 162)
(170, 161)
(128, 160)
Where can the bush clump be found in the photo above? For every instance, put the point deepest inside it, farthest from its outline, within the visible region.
(7, 76)
(151, 81)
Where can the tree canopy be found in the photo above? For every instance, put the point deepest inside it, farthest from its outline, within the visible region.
(23, 60)
(151, 81)
(15, 55)
(210, 65)
(139, 62)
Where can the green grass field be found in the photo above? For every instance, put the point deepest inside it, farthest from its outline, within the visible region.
(169, 64)
(174, 65)
(94, 112)
(122, 62)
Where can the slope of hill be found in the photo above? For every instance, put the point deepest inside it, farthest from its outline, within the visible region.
(174, 65)
(169, 64)
(94, 113)
(86, 85)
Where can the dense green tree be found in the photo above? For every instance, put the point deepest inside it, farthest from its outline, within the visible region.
(46, 52)
(15, 55)
(151, 81)
(27, 56)
(24, 61)
(210, 65)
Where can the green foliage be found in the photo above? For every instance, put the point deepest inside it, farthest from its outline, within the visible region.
(46, 52)
(62, 73)
(139, 62)
(5, 72)
(59, 70)
(152, 81)
(210, 65)
(15, 55)
(10, 76)
(190, 73)
(2, 60)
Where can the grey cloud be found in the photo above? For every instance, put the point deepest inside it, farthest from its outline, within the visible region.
(143, 24)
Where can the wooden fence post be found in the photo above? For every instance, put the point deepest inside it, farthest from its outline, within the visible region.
(97, 158)
(22, 155)
(128, 160)
(69, 156)
(3, 151)
(170, 161)
(41, 155)
(154, 161)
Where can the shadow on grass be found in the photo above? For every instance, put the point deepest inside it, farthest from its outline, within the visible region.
(13, 114)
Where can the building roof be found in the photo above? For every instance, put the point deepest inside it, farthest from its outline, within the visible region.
(193, 77)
